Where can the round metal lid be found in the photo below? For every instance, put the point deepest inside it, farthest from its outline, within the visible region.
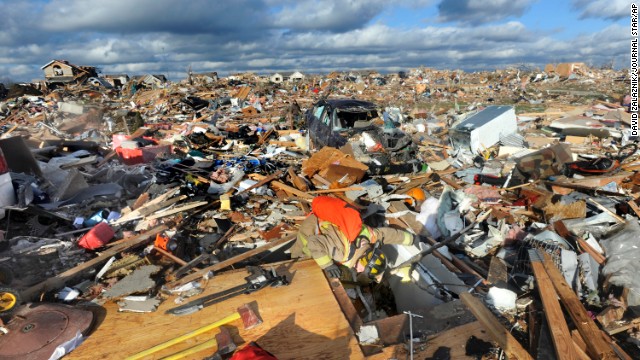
(35, 332)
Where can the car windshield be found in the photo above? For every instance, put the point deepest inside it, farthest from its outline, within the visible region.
(350, 118)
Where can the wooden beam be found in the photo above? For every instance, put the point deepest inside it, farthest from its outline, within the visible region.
(498, 333)
(170, 256)
(292, 190)
(634, 207)
(346, 305)
(579, 346)
(450, 182)
(597, 348)
(619, 351)
(555, 318)
(562, 230)
(62, 278)
(287, 188)
(223, 264)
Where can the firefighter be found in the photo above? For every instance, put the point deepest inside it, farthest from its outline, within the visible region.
(334, 234)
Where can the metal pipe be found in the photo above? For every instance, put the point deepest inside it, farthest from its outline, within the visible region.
(411, 316)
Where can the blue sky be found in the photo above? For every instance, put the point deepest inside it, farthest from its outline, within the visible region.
(169, 36)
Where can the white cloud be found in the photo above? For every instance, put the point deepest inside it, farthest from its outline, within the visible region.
(143, 36)
(605, 9)
(332, 15)
(138, 16)
(480, 12)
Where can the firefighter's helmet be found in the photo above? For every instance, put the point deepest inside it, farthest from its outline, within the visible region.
(374, 262)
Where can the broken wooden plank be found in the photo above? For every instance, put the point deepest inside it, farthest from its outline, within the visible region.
(61, 279)
(634, 207)
(264, 180)
(562, 230)
(265, 136)
(177, 210)
(140, 201)
(346, 305)
(613, 329)
(596, 346)
(297, 180)
(605, 209)
(231, 261)
(154, 204)
(322, 180)
(599, 258)
(292, 190)
(450, 182)
(170, 256)
(287, 188)
(579, 346)
(496, 330)
(555, 318)
(619, 351)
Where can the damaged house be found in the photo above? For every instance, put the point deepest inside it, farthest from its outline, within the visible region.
(117, 80)
(153, 81)
(293, 77)
(63, 72)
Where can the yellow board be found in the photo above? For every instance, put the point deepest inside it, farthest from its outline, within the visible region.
(301, 321)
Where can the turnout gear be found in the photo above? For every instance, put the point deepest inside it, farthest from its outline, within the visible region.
(328, 234)
(339, 213)
(374, 262)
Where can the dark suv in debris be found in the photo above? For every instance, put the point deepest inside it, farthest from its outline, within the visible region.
(383, 147)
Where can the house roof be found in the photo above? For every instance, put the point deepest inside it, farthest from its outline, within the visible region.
(287, 73)
(60, 61)
(65, 62)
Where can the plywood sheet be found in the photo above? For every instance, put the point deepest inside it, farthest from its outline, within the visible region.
(301, 321)
(451, 344)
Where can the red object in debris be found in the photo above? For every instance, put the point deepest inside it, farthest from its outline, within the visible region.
(142, 155)
(139, 155)
(253, 351)
(97, 236)
(4, 168)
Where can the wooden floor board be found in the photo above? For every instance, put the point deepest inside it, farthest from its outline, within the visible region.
(301, 321)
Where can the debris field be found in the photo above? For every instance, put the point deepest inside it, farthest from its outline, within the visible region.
(143, 218)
